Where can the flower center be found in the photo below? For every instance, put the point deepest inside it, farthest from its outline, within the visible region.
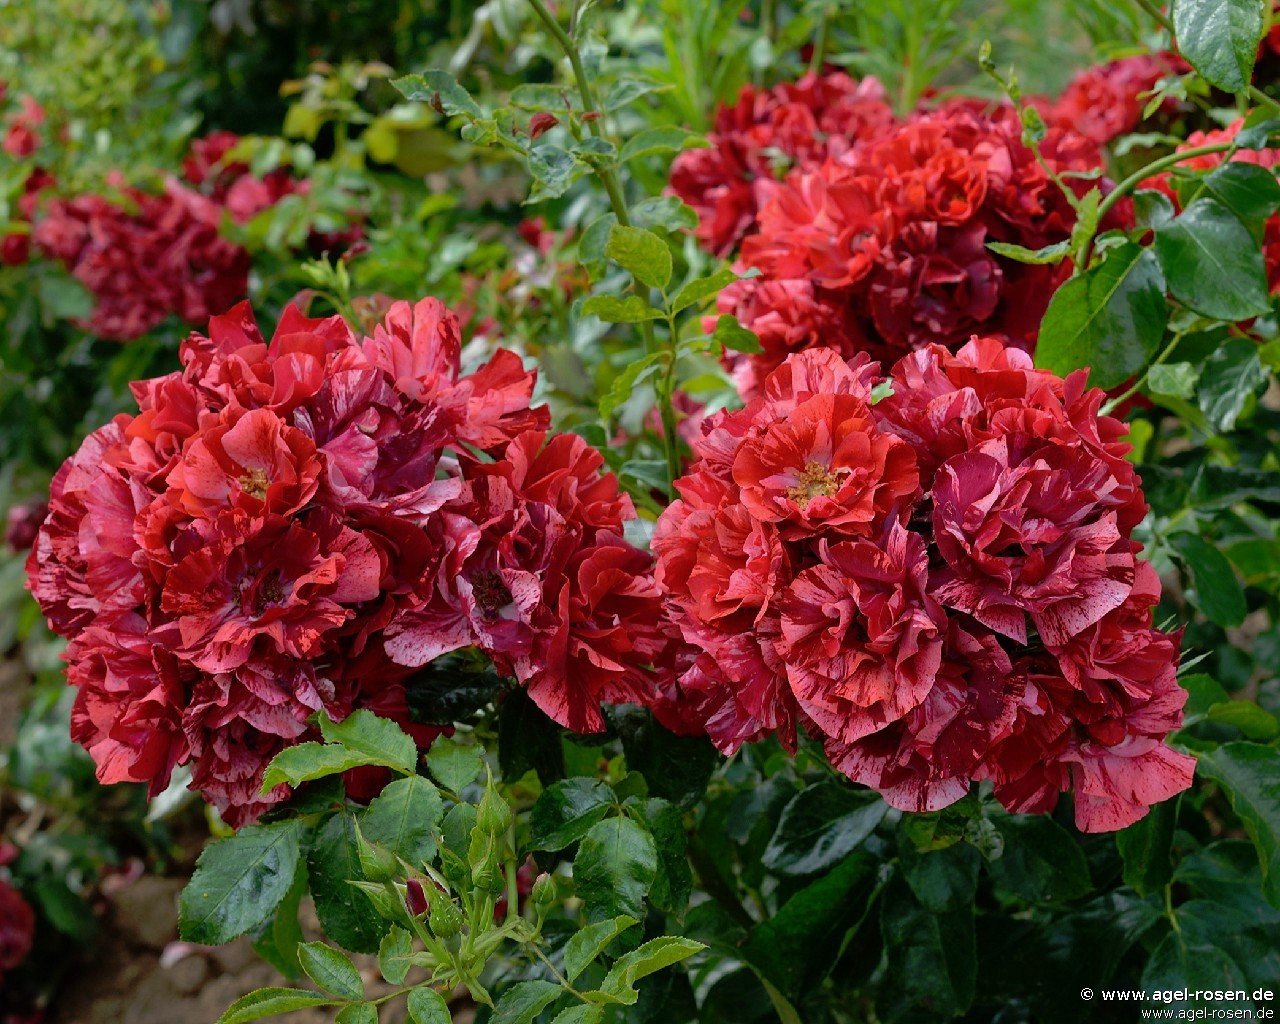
(255, 482)
(489, 591)
(815, 481)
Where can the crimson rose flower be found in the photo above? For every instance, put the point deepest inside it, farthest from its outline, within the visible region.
(940, 587)
(290, 527)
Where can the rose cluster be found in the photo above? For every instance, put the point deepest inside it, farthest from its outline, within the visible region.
(292, 527)
(1109, 100)
(878, 238)
(939, 586)
(144, 257)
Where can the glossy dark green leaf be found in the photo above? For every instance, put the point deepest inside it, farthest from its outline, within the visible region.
(590, 941)
(271, 1002)
(932, 959)
(615, 866)
(1229, 377)
(1220, 38)
(1146, 847)
(404, 819)
(1040, 862)
(567, 810)
(239, 881)
(822, 825)
(522, 1002)
(1249, 191)
(1256, 723)
(674, 881)
(427, 1006)
(1217, 592)
(676, 768)
(796, 947)
(528, 740)
(942, 879)
(1177, 965)
(1212, 263)
(333, 863)
(331, 970)
(1249, 774)
(1110, 319)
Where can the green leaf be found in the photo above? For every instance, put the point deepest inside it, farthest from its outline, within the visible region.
(307, 761)
(1212, 263)
(641, 253)
(1176, 965)
(1203, 692)
(393, 955)
(427, 1006)
(1146, 847)
(271, 1002)
(648, 959)
(1249, 774)
(1256, 723)
(567, 810)
(613, 310)
(379, 740)
(331, 970)
(666, 212)
(582, 1014)
(592, 243)
(347, 915)
(1049, 254)
(942, 879)
(796, 947)
(732, 335)
(439, 89)
(615, 866)
(1249, 191)
(404, 818)
(665, 139)
(1041, 862)
(624, 385)
(820, 826)
(278, 942)
(1217, 592)
(676, 768)
(1177, 380)
(553, 169)
(521, 1003)
(701, 288)
(1229, 378)
(528, 739)
(674, 881)
(589, 942)
(357, 1013)
(239, 881)
(1111, 318)
(932, 959)
(1219, 38)
(454, 765)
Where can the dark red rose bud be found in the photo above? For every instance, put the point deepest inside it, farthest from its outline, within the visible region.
(415, 897)
(24, 523)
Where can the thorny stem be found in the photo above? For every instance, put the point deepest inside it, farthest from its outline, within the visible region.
(1137, 178)
(617, 200)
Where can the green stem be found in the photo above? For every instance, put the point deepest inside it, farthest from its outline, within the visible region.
(1137, 178)
(716, 886)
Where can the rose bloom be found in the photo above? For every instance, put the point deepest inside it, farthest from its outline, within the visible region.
(292, 526)
(940, 586)
(875, 237)
(1105, 102)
